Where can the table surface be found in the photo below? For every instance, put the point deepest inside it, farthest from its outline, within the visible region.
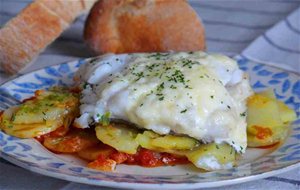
(230, 27)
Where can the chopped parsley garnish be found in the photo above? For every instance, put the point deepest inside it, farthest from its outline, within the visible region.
(183, 111)
(104, 119)
(151, 92)
(85, 85)
(177, 76)
(188, 63)
(173, 87)
(212, 97)
(139, 75)
(13, 117)
(243, 114)
(161, 87)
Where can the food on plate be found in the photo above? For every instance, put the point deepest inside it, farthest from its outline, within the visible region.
(184, 98)
(42, 114)
(153, 109)
(194, 94)
(34, 28)
(267, 119)
(143, 26)
(71, 142)
(213, 156)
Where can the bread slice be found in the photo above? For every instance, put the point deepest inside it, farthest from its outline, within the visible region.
(124, 26)
(29, 33)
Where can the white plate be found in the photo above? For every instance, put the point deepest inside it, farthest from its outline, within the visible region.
(255, 164)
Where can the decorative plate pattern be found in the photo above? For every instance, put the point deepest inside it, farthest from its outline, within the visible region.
(29, 154)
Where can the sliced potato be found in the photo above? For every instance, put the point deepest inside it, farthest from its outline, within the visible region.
(119, 137)
(41, 114)
(74, 141)
(168, 143)
(263, 111)
(144, 140)
(174, 142)
(206, 156)
(31, 130)
(287, 115)
(277, 135)
(267, 119)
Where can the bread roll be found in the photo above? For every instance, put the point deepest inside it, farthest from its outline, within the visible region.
(124, 26)
(29, 33)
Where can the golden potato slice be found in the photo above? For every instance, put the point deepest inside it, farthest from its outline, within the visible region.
(174, 142)
(267, 119)
(287, 114)
(263, 111)
(206, 156)
(119, 137)
(144, 140)
(265, 136)
(167, 143)
(39, 115)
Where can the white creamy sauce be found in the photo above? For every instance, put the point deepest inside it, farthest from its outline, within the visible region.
(196, 94)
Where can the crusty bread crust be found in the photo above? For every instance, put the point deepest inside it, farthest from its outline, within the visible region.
(29, 33)
(124, 26)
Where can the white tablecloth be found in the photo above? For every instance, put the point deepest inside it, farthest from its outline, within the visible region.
(258, 30)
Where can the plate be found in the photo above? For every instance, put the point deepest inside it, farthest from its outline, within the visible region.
(255, 164)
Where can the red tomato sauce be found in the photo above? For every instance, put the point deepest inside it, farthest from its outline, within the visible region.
(263, 132)
(149, 158)
(269, 146)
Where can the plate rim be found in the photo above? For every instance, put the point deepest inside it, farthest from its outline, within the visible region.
(125, 185)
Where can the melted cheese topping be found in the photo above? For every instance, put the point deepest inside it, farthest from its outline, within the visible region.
(196, 94)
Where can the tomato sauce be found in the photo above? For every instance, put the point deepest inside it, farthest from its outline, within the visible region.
(269, 146)
(150, 158)
(263, 132)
